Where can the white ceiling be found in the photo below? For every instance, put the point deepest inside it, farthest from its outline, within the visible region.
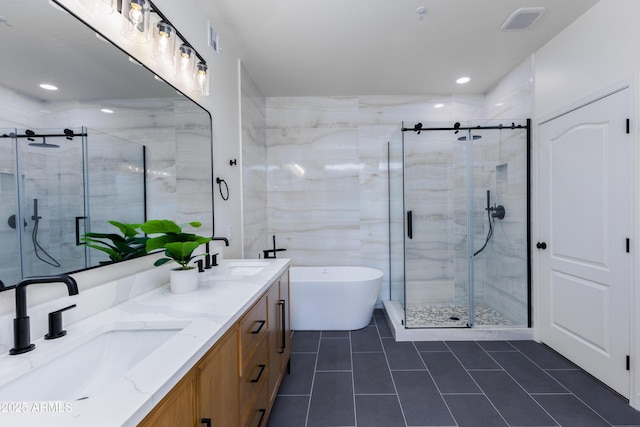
(382, 47)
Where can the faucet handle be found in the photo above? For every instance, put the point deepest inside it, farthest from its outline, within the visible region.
(55, 324)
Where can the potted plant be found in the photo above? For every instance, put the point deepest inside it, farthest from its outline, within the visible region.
(179, 247)
(129, 245)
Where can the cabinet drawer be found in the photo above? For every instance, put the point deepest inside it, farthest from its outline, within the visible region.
(253, 329)
(256, 415)
(254, 373)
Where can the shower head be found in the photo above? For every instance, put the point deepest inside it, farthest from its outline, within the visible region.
(43, 144)
(473, 137)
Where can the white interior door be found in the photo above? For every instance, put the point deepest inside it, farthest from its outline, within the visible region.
(586, 217)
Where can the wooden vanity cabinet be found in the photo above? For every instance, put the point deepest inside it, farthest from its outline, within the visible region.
(254, 364)
(279, 333)
(178, 408)
(207, 395)
(236, 381)
(217, 385)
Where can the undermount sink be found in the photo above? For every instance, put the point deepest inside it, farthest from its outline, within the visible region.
(246, 268)
(242, 268)
(87, 368)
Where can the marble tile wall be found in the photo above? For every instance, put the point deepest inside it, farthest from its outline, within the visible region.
(327, 183)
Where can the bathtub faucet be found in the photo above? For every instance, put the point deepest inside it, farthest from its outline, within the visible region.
(271, 253)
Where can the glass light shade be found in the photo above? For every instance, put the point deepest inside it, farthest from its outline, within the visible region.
(201, 79)
(164, 42)
(100, 6)
(185, 64)
(135, 23)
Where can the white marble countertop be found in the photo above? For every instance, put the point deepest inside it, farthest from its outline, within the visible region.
(218, 303)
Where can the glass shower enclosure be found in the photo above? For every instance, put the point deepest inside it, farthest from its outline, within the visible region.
(459, 224)
(56, 185)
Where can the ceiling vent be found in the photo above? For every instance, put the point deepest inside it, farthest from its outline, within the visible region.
(522, 19)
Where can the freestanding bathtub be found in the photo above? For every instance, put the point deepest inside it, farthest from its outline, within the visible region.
(332, 298)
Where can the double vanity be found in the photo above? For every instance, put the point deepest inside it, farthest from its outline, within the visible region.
(212, 357)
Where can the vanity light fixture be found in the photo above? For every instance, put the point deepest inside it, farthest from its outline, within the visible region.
(201, 79)
(191, 69)
(164, 41)
(185, 65)
(135, 25)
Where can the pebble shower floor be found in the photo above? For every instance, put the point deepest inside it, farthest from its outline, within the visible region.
(452, 316)
(364, 378)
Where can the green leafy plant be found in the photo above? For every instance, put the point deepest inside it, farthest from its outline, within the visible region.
(129, 245)
(178, 246)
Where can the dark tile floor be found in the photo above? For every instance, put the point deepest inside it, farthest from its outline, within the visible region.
(364, 378)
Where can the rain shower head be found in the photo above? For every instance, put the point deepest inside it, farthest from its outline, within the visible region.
(43, 144)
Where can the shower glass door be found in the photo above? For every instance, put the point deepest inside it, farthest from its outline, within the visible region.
(10, 272)
(435, 199)
(465, 226)
(51, 197)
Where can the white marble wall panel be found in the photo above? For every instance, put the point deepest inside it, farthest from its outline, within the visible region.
(328, 188)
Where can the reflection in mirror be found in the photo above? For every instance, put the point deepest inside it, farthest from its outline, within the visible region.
(140, 149)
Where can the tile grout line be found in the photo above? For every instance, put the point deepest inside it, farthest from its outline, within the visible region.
(393, 381)
(313, 380)
(520, 385)
(526, 356)
(475, 382)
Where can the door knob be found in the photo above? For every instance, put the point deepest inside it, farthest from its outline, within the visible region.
(541, 245)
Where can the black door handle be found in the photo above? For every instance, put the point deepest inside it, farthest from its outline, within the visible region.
(410, 224)
(78, 219)
(283, 326)
(541, 245)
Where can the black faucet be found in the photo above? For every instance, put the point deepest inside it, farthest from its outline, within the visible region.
(226, 241)
(271, 253)
(21, 329)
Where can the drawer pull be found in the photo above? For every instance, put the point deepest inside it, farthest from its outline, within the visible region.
(262, 368)
(206, 421)
(283, 326)
(262, 323)
(263, 412)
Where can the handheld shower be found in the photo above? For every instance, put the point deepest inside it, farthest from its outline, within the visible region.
(492, 213)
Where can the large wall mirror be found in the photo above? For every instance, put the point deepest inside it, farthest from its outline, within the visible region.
(111, 143)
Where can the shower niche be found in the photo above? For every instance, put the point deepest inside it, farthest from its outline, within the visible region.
(57, 184)
(459, 225)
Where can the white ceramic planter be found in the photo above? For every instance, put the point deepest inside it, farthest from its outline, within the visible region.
(183, 281)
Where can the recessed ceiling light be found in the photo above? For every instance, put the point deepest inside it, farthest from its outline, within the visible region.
(438, 106)
(421, 11)
(499, 104)
(463, 80)
(48, 86)
(106, 110)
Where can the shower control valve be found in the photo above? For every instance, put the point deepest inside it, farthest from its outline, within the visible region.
(497, 212)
